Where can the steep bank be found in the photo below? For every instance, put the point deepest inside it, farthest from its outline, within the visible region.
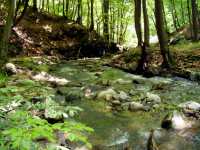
(40, 33)
(186, 56)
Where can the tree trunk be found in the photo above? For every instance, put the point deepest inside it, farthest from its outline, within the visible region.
(189, 18)
(162, 34)
(138, 21)
(195, 20)
(142, 64)
(17, 20)
(67, 9)
(92, 15)
(79, 17)
(7, 31)
(34, 5)
(173, 16)
(182, 12)
(146, 23)
(106, 19)
(63, 7)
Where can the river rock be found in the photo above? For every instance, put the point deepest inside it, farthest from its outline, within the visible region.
(11, 68)
(44, 76)
(122, 81)
(123, 96)
(133, 106)
(125, 106)
(151, 143)
(191, 108)
(177, 121)
(70, 94)
(116, 103)
(108, 94)
(191, 105)
(152, 98)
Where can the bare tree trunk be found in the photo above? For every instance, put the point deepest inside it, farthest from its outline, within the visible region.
(195, 20)
(189, 17)
(17, 20)
(7, 30)
(79, 17)
(162, 34)
(182, 12)
(63, 7)
(67, 9)
(106, 19)
(146, 23)
(138, 21)
(34, 5)
(92, 15)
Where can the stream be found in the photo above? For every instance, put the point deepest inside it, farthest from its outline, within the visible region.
(120, 130)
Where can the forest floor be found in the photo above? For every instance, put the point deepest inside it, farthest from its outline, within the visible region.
(186, 55)
(47, 88)
(42, 34)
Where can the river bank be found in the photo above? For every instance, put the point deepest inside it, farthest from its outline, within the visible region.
(122, 108)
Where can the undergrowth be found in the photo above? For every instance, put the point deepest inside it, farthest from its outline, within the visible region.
(22, 131)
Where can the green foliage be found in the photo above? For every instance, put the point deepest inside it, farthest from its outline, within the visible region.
(24, 130)
(8, 94)
(3, 77)
(75, 131)
(55, 110)
(73, 110)
(131, 56)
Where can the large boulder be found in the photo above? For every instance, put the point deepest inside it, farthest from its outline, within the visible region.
(10, 68)
(191, 108)
(190, 105)
(177, 121)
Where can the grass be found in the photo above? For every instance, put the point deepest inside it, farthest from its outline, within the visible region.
(186, 47)
(3, 78)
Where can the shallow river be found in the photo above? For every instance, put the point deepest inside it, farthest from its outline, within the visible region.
(121, 130)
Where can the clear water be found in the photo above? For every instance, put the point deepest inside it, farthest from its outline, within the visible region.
(115, 131)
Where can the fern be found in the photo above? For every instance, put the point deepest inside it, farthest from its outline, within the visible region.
(24, 131)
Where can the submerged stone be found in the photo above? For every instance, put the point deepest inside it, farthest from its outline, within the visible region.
(108, 94)
(122, 81)
(136, 106)
(70, 94)
(151, 143)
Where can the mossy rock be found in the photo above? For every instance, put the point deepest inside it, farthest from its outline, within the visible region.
(71, 94)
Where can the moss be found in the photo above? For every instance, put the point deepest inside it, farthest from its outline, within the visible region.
(32, 63)
(186, 47)
(132, 55)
